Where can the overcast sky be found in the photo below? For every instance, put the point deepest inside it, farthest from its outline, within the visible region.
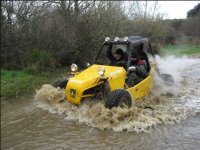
(176, 9)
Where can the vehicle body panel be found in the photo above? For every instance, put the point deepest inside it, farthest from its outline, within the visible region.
(116, 78)
(90, 78)
(143, 88)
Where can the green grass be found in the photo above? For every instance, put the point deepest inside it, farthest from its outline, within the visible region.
(180, 50)
(17, 83)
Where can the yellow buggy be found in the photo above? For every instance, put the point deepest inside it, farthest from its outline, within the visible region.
(114, 84)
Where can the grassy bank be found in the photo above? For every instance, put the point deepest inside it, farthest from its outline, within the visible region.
(17, 83)
(180, 50)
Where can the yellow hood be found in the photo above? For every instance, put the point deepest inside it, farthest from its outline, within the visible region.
(89, 77)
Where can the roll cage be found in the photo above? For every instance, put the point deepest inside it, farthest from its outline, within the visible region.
(131, 43)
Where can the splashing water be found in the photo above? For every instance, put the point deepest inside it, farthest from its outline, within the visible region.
(177, 68)
(164, 105)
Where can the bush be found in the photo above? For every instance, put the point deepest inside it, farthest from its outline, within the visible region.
(40, 60)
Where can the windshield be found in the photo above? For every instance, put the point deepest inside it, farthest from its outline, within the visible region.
(103, 59)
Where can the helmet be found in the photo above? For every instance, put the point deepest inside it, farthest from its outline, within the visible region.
(119, 51)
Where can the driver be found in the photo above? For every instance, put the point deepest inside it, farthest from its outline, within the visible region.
(118, 58)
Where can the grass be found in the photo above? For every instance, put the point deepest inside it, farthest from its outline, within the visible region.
(16, 83)
(180, 50)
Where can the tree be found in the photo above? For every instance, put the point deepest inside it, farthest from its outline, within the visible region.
(147, 21)
(69, 31)
(194, 12)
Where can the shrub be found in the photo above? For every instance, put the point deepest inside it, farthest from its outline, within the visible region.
(40, 60)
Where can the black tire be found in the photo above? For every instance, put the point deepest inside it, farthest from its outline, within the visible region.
(106, 90)
(119, 97)
(60, 83)
(132, 80)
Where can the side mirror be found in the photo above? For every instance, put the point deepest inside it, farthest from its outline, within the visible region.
(132, 68)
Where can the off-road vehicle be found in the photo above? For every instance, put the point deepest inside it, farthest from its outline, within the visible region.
(118, 85)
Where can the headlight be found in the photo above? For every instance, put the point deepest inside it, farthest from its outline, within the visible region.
(132, 68)
(101, 71)
(74, 67)
(125, 39)
(107, 39)
(116, 39)
(88, 64)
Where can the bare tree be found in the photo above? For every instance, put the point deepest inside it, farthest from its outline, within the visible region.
(36, 33)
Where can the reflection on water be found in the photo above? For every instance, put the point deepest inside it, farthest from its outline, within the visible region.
(49, 122)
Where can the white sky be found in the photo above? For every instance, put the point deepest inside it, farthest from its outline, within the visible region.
(176, 9)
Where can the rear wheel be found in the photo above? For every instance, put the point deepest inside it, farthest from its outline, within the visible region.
(119, 97)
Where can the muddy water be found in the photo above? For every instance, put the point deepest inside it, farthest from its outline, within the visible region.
(168, 118)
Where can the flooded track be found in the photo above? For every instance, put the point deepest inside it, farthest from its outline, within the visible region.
(169, 118)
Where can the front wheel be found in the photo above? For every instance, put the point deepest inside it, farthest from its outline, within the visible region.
(61, 83)
(119, 97)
